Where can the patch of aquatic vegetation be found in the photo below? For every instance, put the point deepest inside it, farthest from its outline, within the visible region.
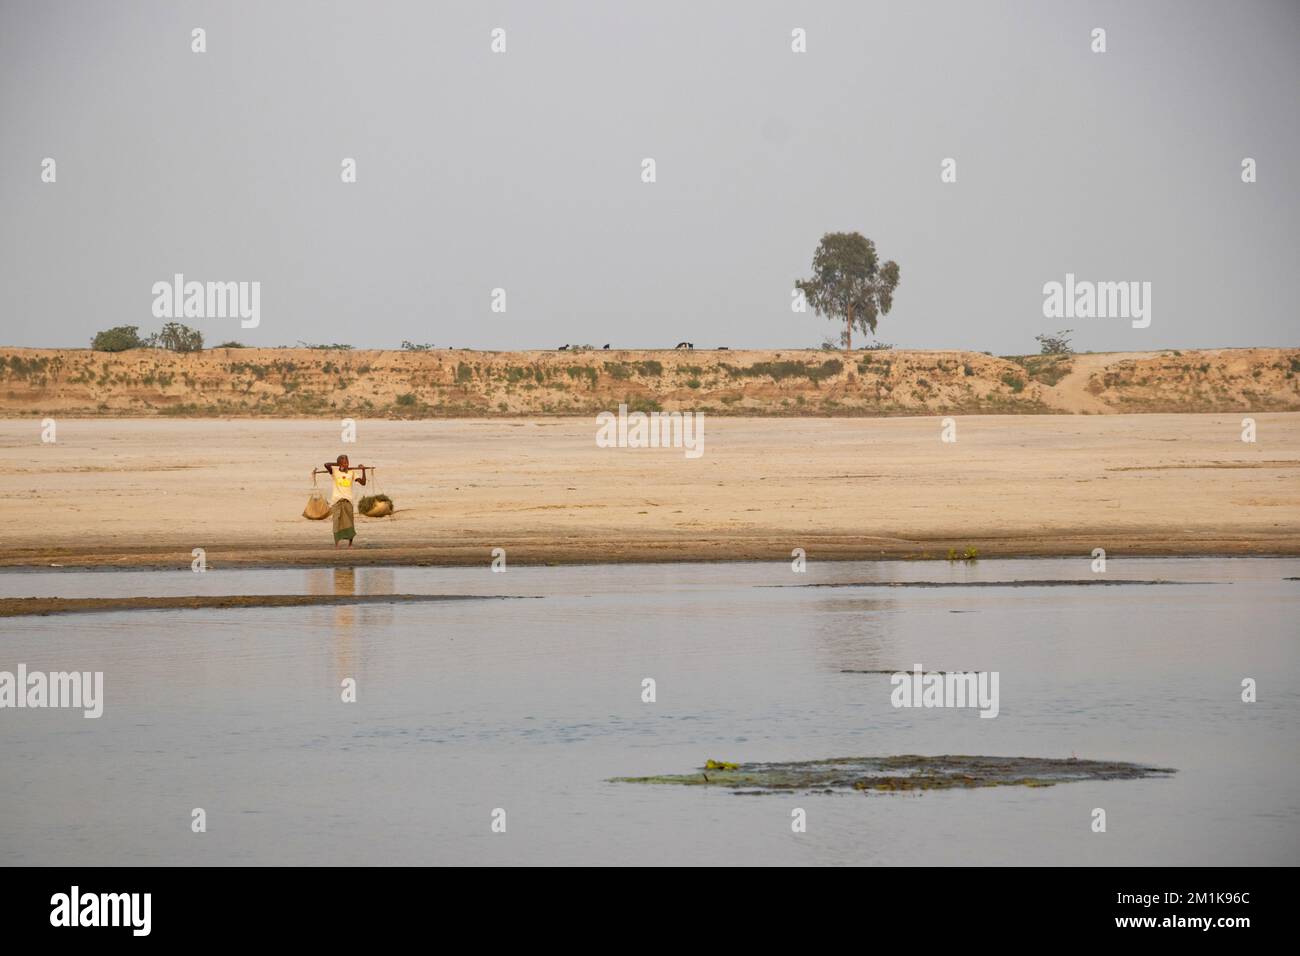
(900, 773)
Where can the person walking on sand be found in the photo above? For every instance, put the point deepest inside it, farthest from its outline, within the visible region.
(341, 502)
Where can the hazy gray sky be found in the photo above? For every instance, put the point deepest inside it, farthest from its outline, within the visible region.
(522, 170)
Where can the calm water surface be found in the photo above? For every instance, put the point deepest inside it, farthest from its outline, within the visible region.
(531, 704)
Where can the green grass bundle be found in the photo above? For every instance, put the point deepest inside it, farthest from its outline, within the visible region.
(376, 506)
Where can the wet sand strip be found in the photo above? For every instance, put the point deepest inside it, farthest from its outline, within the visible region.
(41, 606)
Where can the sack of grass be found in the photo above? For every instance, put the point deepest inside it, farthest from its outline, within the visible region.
(376, 506)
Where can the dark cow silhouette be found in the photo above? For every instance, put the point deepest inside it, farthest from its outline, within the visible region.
(605, 346)
(563, 348)
(685, 345)
(723, 348)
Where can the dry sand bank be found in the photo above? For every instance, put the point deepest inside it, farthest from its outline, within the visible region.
(122, 493)
(290, 383)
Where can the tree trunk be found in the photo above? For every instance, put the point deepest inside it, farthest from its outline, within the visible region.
(848, 331)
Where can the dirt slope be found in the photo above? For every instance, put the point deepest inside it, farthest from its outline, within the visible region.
(462, 383)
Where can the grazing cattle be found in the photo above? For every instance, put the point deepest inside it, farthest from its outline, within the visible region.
(685, 345)
(723, 348)
(605, 346)
(563, 348)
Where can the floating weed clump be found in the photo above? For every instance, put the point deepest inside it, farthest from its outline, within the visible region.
(908, 772)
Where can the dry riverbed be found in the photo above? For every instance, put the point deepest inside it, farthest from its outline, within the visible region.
(147, 492)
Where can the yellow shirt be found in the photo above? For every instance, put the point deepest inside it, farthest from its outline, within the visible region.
(342, 484)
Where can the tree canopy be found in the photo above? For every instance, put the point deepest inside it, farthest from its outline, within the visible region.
(173, 336)
(849, 283)
(118, 339)
(178, 338)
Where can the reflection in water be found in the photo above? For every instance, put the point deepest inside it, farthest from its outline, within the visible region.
(345, 582)
(341, 620)
(377, 581)
(853, 633)
(344, 620)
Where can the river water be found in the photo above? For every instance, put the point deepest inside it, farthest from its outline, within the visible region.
(530, 704)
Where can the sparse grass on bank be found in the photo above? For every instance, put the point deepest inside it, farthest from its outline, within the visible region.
(318, 381)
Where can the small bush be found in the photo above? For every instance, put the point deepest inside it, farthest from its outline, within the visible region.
(789, 368)
(635, 403)
(1048, 369)
(1058, 344)
(117, 339)
(25, 368)
(578, 372)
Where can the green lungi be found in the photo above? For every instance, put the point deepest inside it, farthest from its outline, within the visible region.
(344, 527)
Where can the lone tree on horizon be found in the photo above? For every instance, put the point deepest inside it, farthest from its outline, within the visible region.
(849, 283)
